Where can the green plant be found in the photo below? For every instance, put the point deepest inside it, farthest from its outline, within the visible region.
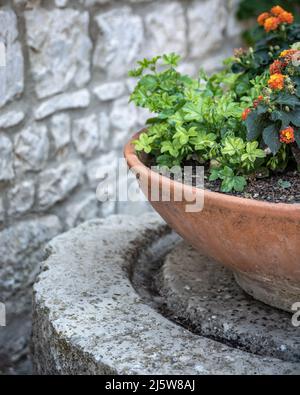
(239, 122)
(275, 121)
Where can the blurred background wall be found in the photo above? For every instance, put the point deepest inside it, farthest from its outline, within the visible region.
(64, 118)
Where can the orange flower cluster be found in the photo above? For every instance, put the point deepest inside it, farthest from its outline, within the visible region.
(273, 19)
(276, 67)
(245, 113)
(271, 23)
(288, 55)
(287, 135)
(277, 10)
(276, 81)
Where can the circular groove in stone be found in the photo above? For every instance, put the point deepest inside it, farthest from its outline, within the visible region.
(203, 296)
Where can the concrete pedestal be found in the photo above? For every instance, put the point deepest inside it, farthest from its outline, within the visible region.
(121, 296)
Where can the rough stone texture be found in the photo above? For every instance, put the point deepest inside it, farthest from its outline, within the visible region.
(21, 198)
(2, 213)
(58, 182)
(65, 61)
(59, 49)
(11, 118)
(6, 155)
(86, 135)
(123, 117)
(61, 130)
(85, 207)
(31, 148)
(11, 76)
(65, 101)
(121, 37)
(99, 169)
(20, 251)
(104, 131)
(109, 90)
(205, 295)
(201, 16)
(88, 319)
(160, 33)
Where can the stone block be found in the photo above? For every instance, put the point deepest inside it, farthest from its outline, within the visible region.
(59, 49)
(6, 159)
(12, 75)
(58, 182)
(119, 42)
(31, 148)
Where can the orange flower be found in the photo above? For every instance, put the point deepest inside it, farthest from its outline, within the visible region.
(245, 114)
(287, 135)
(286, 17)
(262, 18)
(277, 10)
(271, 23)
(288, 55)
(276, 81)
(276, 67)
(287, 52)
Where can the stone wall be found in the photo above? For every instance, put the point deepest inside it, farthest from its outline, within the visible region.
(64, 116)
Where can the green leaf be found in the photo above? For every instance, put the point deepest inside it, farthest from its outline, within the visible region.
(192, 112)
(144, 143)
(294, 117)
(282, 116)
(297, 137)
(232, 146)
(252, 152)
(149, 82)
(261, 109)
(171, 59)
(255, 125)
(203, 140)
(181, 135)
(214, 175)
(271, 137)
(287, 99)
(284, 184)
(236, 183)
(239, 183)
(167, 146)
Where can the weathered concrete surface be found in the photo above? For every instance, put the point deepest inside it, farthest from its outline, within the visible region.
(206, 297)
(89, 319)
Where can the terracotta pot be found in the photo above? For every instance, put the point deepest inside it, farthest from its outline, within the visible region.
(259, 241)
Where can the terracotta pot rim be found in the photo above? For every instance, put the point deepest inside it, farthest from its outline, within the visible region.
(220, 198)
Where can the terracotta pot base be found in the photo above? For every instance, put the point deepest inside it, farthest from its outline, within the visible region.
(268, 292)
